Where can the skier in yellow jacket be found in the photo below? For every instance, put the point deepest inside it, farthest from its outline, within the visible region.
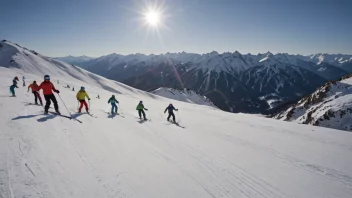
(81, 96)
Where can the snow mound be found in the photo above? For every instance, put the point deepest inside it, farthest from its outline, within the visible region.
(185, 95)
(210, 153)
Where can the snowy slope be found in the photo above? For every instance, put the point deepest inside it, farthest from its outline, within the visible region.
(217, 154)
(329, 106)
(183, 95)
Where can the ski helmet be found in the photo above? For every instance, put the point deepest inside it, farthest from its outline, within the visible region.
(34, 82)
(170, 104)
(140, 101)
(82, 88)
(46, 77)
(113, 96)
(16, 78)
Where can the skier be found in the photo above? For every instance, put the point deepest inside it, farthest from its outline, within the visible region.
(140, 108)
(170, 110)
(13, 86)
(81, 96)
(113, 102)
(49, 96)
(35, 89)
(73, 89)
(24, 82)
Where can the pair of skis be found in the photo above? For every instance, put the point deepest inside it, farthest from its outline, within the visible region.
(69, 117)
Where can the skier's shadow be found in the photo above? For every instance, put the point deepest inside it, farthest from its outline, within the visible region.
(76, 115)
(24, 117)
(46, 118)
(112, 115)
(141, 121)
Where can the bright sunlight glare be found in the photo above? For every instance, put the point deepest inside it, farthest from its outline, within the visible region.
(152, 18)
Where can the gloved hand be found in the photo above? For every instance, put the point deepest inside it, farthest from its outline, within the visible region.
(176, 109)
(146, 109)
(88, 98)
(57, 91)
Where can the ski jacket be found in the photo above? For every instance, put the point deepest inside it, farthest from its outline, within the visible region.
(113, 100)
(81, 95)
(170, 109)
(14, 82)
(34, 87)
(47, 87)
(140, 107)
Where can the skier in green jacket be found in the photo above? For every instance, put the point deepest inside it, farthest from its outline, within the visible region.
(140, 108)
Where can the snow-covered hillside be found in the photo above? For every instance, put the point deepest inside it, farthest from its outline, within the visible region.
(185, 95)
(217, 154)
(329, 106)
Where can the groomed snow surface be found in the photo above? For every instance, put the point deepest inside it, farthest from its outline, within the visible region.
(217, 154)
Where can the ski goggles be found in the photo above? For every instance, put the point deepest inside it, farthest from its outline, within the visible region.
(47, 78)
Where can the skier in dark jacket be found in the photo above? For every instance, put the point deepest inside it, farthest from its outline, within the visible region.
(170, 110)
(13, 86)
(140, 108)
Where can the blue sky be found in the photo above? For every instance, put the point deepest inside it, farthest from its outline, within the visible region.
(100, 27)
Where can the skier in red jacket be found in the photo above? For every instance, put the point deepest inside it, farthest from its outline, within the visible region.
(35, 89)
(48, 89)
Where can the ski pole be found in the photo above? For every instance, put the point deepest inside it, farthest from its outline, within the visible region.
(77, 105)
(179, 118)
(89, 107)
(64, 105)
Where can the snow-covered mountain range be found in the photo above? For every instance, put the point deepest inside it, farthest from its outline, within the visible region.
(74, 60)
(184, 95)
(233, 81)
(216, 154)
(329, 106)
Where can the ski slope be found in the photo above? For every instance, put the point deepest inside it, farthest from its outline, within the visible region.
(217, 154)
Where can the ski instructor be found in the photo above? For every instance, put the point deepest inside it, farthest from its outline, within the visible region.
(49, 96)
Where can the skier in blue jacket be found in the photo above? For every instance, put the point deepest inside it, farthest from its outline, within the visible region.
(13, 86)
(113, 102)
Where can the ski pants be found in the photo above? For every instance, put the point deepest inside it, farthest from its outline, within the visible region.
(173, 116)
(113, 108)
(140, 113)
(83, 102)
(12, 90)
(48, 99)
(36, 97)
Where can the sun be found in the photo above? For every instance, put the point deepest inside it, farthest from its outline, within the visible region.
(152, 17)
